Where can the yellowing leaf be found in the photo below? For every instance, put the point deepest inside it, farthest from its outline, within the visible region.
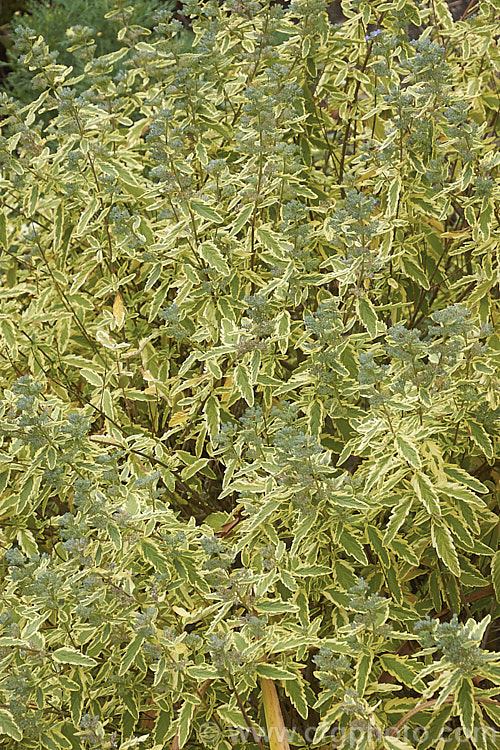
(179, 418)
(276, 730)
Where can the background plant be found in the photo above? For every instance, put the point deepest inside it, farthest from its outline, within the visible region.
(250, 381)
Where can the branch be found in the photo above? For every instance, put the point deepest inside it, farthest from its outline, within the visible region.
(430, 704)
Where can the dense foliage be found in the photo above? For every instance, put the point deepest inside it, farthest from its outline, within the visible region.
(249, 377)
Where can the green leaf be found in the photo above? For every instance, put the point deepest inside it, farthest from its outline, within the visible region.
(416, 273)
(185, 718)
(393, 193)
(272, 672)
(353, 547)
(367, 315)
(294, 689)
(481, 438)
(378, 544)
(461, 493)
(68, 655)
(395, 743)
(203, 672)
(58, 226)
(241, 380)
(306, 571)
(92, 377)
(276, 607)
(408, 450)
(426, 493)
(194, 468)
(211, 411)
(465, 704)
(3, 230)
(152, 554)
(443, 544)
(397, 519)
(8, 726)
(270, 240)
(495, 574)
(131, 652)
(206, 212)
(283, 330)
(404, 551)
(213, 256)
(398, 667)
(241, 220)
(462, 477)
(86, 216)
(363, 669)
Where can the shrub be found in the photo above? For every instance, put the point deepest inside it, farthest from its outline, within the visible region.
(75, 31)
(250, 384)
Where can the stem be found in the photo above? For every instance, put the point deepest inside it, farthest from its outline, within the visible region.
(429, 704)
(248, 720)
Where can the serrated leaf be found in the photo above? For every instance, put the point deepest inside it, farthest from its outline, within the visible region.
(206, 212)
(272, 672)
(367, 315)
(131, 652)
(404, 551)
(92, 377)
(363, 669)
(283, 330)
(270, 240)
(398, 667)
(443, 544)
(294, 689)
(415, 272)
(462, 493)
(194, 468)
(3, 230)
(213, 256)
(8, 726)
(241, 380)
(185, 718)
(397, 519)
(211, 411)
(495, 574)
(86, 216)
(152, 554)
(408, 450)
(353, 547)
(395, 743)
(58, 226)
(306, 571)
(242, 219)
(461, 476)
(68, 655)
(393, 193)
(203, 672)
(465, 704)
(481, 438)
(426, 493)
